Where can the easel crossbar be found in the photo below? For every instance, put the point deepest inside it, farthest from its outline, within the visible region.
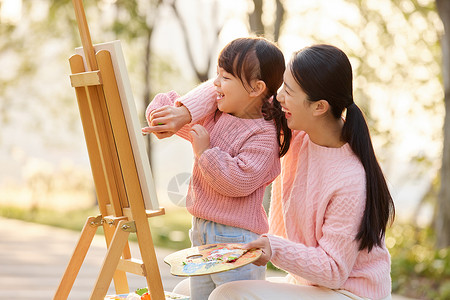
(132, 265)
(85, 79)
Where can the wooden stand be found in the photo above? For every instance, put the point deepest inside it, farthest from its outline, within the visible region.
(115, 172)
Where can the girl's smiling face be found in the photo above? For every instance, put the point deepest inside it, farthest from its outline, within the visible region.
(232, 97)
(295, 103)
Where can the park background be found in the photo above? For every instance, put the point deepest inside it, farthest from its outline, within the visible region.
(394, 46)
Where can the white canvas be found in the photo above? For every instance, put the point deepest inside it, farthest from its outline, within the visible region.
(132, 120)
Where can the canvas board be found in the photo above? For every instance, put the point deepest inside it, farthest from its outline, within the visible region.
(132, 120)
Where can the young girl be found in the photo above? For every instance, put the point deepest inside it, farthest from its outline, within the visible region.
(331, 204)
(237, 149)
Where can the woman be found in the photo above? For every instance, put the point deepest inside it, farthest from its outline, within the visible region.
(330, 205)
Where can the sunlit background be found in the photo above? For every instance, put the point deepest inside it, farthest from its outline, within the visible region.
(393, 46)
(43, 154)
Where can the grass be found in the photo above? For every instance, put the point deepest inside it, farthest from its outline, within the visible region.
(418, 270)
(73, 220)
(168, 231)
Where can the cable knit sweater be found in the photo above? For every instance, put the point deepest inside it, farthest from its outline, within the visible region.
(316, 208)
(229, 179)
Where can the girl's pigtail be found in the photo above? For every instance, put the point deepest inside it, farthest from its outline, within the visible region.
(271, 110)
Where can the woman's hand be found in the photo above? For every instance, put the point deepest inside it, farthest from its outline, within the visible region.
(262, 243)
(200, 139)
(167, 120)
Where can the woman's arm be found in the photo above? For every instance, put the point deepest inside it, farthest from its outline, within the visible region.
(330, 262)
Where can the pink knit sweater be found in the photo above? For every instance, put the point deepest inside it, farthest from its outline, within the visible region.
(229, 179)
(317, 206)
(316, 209)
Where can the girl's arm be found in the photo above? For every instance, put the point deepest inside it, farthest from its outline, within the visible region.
(175, 112)
(161, 112)
(201, 101)
(256, 164)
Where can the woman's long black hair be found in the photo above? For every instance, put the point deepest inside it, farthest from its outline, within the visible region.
(258, 58)
(324, 72)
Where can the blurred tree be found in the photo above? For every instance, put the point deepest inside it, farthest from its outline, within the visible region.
(442, 222)
(135, 20)
(202, 74)
(8, 45)
(13, 48)
(21, 54)
(394, 49)
(255, 22)
(257, 26)
(387, 32)
(381, 56)
(421, 13)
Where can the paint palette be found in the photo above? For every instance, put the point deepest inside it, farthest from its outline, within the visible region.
(210, 259)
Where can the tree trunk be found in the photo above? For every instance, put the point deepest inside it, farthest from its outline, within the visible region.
(255, 18)
(256, 24)
(278, 21)
(150, 25)
(442, 222)
(202, 75)
(147, 85)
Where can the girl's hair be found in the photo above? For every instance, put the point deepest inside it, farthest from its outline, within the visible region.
(257, 58)
(324, 72)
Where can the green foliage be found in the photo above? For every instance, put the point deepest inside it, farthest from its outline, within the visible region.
(381, 27)
(418, 270)
(168, 231)
(73, 220)
(135, 19)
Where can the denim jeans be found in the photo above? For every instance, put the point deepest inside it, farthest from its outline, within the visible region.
(207, 232)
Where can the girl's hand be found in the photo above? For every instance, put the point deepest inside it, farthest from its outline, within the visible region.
(262, 243)
(167, 120)
(200, 139)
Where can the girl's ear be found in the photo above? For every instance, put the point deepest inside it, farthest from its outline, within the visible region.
(320, 107)
(258, 87)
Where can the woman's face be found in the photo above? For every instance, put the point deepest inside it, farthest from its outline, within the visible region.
(295, 103)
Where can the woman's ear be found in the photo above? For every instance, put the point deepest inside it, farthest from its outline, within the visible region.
(258, 87)
(320, 107)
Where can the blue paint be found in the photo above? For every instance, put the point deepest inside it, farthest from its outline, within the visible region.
(192, 267)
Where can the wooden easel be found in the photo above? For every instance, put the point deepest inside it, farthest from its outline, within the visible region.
(116, 178)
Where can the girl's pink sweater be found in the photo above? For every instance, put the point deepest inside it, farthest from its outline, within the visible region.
(317, 206)
(229, 179)
(316, 209)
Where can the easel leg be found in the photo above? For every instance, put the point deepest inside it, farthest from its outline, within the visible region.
(111, 261)
(68, 279)
(120, 277)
